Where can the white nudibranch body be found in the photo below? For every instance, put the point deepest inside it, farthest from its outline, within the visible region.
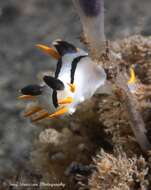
(76, 79)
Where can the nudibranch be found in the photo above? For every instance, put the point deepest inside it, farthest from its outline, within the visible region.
(76, 79)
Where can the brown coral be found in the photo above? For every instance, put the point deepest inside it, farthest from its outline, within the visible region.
(119, 173)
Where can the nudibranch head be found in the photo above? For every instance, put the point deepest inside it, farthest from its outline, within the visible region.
(76, 78)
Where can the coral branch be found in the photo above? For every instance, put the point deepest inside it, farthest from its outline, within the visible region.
(92, 18)
(136, 121)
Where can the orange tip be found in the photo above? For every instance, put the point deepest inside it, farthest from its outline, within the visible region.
(26, 97)
(72, 87)
(49, 50)
(58, 113)
(132, 76)
(42, 116)
(32, 111)
(67, 100)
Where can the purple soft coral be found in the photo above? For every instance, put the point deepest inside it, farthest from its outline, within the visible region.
(92, 7)
(91, 14)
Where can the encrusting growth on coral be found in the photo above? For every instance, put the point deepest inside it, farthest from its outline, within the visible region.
(118, 173)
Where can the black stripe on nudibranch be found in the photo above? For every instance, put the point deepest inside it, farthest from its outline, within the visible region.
(59, 65)
(91, 8)
(64, 47)
(74, 66)
(33, 90)
(53, 83)
(54, 99)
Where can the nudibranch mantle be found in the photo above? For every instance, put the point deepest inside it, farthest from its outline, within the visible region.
(75, 80)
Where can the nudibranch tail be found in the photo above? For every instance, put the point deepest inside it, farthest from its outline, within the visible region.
(32, 111)
(49, 50)
(67, 100)
(59, 112)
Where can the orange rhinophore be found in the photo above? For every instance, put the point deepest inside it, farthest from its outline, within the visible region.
(49, 50)
(132, 76)
(132, 82)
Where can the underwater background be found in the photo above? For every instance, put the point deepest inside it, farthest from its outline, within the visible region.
(23, 24)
